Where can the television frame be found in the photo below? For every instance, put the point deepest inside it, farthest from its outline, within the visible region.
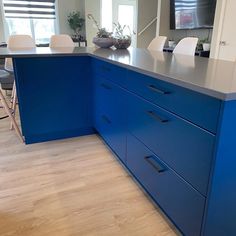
(173, 19)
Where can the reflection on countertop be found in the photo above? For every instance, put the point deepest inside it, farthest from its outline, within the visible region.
(215, 78)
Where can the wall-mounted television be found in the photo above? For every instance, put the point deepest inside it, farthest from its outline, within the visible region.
(192, 14)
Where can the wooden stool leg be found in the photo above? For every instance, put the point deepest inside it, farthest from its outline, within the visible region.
(5, 105)
(14, 101)
(12, 95)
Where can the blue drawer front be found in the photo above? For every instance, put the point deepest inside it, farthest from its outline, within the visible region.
(197, 108)
(109, 71)
(183, 146)
(109, 115)
(179, 200)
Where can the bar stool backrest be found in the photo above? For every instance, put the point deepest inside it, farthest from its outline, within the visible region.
(186, 46)
(157, 43)
(61, 40)
(18, 42)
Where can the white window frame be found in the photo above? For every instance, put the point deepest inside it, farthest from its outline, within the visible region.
(5, 25)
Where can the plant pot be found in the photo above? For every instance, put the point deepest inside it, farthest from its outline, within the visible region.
(103, 42)
(206, 46)
(121, 43)
(171, 44)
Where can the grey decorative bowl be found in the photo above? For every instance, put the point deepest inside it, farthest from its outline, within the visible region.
(103, 42)
(121, 43)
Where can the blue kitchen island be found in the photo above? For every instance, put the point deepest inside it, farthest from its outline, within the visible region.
(170, 119)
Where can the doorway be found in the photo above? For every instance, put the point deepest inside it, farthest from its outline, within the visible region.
(122, 11)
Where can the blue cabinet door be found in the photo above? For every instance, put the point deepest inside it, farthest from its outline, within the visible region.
(109, 114)
(55, 97)
(185, 147)
(183, 204)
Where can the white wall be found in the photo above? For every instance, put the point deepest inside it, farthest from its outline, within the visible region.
(92, 7)
(163, 18)
(224, 40)
(218, 24)
(2, 37)
(147, 11)
(163, 27)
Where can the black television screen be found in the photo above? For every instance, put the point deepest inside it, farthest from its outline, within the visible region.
(192, 14)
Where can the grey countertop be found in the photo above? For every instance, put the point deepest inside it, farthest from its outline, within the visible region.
(215, 78)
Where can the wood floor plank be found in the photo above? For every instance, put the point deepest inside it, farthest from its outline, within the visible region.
(72, 187)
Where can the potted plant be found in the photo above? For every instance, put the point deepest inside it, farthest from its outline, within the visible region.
(121, 39)
(103, 38)
(206, 44)
(76, 23)
(171, 43)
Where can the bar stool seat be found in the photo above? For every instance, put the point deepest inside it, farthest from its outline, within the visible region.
(4, 74)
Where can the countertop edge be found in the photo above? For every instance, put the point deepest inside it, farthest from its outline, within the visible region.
(178, 82)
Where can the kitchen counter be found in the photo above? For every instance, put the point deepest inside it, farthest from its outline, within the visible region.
(215, 78)
(170, 119)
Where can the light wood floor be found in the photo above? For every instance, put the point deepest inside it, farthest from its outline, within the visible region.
(71, 187)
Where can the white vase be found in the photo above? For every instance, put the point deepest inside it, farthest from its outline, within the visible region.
(206, 46)
(171, 44)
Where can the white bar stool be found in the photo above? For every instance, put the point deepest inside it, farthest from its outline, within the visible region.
(17, 42)
(158, 43)
(61, 40)
(186, 46)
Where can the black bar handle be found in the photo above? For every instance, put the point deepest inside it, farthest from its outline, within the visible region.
(106, 119)
(157, 117)
(154, 162)
(157, 90)
(105, 86)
